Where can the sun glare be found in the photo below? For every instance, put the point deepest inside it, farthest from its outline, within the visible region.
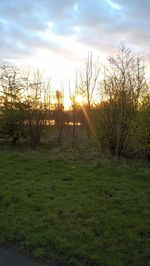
(79, 99)
(67, 102)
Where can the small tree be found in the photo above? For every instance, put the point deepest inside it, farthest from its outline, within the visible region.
(122, 86)
(142, 129)
(89, 76)
(37, 104)
(12, 108)
(59, 115)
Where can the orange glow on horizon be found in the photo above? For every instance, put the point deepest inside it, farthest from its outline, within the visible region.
(79, 101)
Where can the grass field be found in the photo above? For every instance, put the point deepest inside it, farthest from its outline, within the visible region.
(77, 212)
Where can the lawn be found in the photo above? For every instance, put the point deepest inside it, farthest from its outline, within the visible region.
(76, 212)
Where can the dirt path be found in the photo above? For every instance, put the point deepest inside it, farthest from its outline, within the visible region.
(10, 256)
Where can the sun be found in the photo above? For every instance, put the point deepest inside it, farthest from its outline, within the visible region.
(79, 99)
(67, 102)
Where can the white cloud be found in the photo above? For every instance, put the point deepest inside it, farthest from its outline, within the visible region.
(68, 28)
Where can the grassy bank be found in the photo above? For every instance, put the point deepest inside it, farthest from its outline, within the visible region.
(77, 212)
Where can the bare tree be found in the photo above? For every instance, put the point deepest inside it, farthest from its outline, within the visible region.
(123, 83)
(89, 78)
(37, 107)
(59, 114)
(74, 106)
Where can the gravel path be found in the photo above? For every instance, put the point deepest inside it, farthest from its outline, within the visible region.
(10, 256)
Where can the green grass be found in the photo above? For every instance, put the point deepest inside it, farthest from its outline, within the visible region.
(79, 213)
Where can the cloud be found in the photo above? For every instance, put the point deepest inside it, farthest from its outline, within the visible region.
(28, 26)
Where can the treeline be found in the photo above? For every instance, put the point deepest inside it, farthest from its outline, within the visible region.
(115, 110)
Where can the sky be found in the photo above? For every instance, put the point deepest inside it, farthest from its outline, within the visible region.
(56, 35)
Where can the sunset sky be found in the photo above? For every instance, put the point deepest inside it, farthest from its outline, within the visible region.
(56, 35)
